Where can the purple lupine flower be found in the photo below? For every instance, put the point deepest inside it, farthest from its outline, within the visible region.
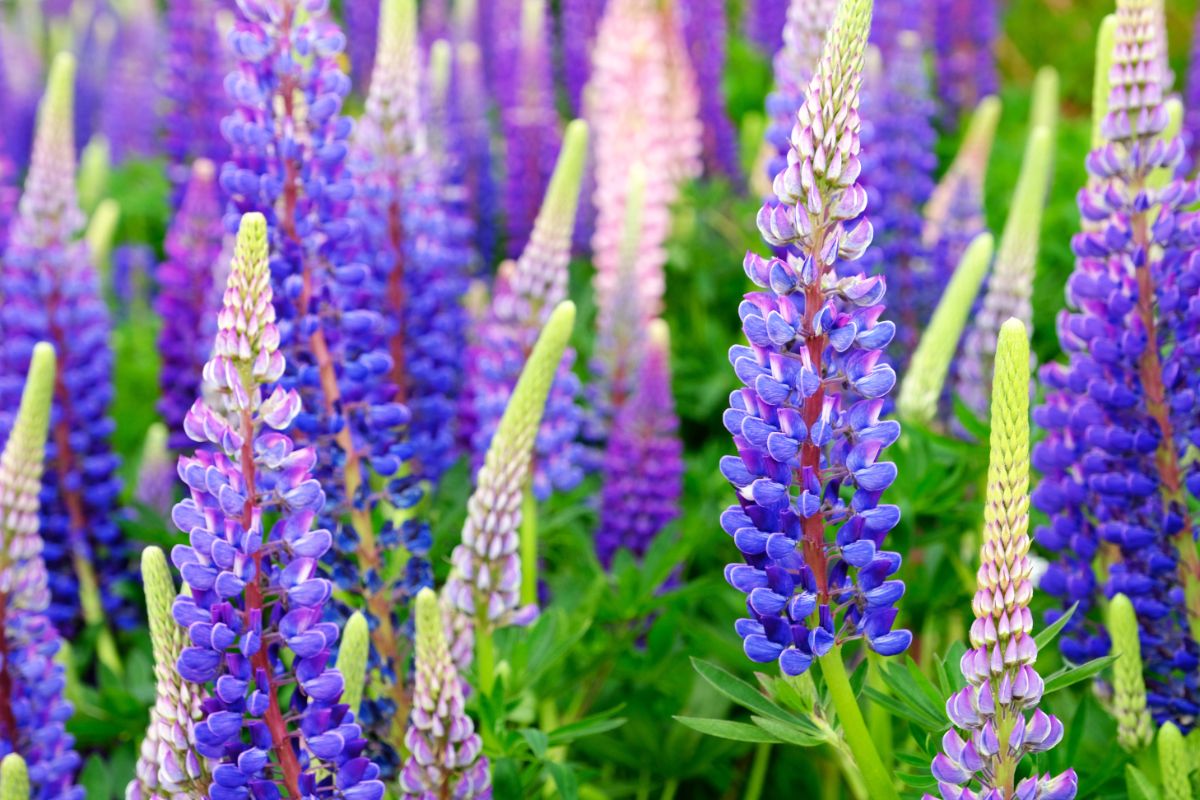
(1003, 684)
(806, 424)
(446, 759)
(52, 294)
(643, 462)
(763, 22)
(794, 63)
(500, 42)
(1119, 414)
(156, 479)
(469, 135)
(193, 87)
(184, 301)
(704, 26)
(965, 34)
(893, 17)
(128, 117)
(290, 144)
(898, 172)
(33, 711)
(254, 587)
(362, 29)
(524, 295)
(578, 22)
(1191, 114)
(530, 126)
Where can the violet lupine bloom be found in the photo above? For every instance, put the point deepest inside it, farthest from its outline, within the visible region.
(183, 301)
(965, 34)
(641, 108)
(1119, 414)
(578, 23)
(362, 30)
(806, 424)
(643, 462)
(469, 135)
(33, 711)
(794, 63)
(446, 758)
(523, 296)
(1003, 684)
(530, 126)
(128, 117)
(193, 87)
(898, 171)
(763, 22)
(52, 294)
(255, 588)
(704, 28)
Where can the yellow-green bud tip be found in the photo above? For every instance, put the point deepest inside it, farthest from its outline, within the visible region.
(33, 416)
(14, 778)
(58, 105)
(352, 660)
(1106, 41)
(1045, 98)
(1175, 762)
(160, 591)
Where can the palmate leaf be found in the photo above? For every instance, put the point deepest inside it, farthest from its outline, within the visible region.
(912, 696)
(792, 734)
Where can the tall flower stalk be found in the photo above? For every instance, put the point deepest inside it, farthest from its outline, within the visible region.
(704, 28)
(52, 294)
(1118, 477)
(33, 712)
(1002, 683)
(256, 587)
(192, 86)
(965, 34)
(806, 423)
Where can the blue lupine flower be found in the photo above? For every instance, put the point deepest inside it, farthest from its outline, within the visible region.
(193, 87)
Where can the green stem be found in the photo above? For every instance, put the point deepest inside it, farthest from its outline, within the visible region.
(758, 771)
(875, 775)
(93, 615)
(670, 788)
(485, 656)
(529, 546)
(878, 718)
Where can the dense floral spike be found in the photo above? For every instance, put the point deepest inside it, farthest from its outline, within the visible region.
(1175, 764)
(186, 297)
(128, 117)
(33, 712)
(254, 587)
(1135, 730)
(485, 583)
(353, 654)
(362, 29)
(806, 424)
(643, 462)
(1010, 287)
(704, 29)
(168, 767)
(898, 170)
(1119, 414)
(954, 214)
(418, 242)
(579, 22)
(446, 760)
(193, 86)
(965, 35)
(14, 778)
(470, 136)
(530, 125)
(289, 144)
(641, 110)
(1002, 682)
(926, 375)
(522, 300)
(763, 21)
(52, 294)
(794, 63)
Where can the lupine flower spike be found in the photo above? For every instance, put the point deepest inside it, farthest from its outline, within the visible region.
(1002, 683)
(33, 712)
(128, 115)
(156, 478)
(1135, 729)
(194, 87)
(352, 659)
(806, 424)
(446, 759)
(14, 778)
(704, 29)
(259, 588)
(1119, 419)
(485, 583)
(521, 304)
(1175, 764)
(169, 768)
(922, 387)
(580, 20)
(643, 463)
(52, 294)
(965, 36)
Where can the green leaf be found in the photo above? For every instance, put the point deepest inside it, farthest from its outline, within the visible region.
(1043, 639)
(564, 779)
(740, 692)
(724, 729)
(1069, 676)
(96, 779)
(588, 726)
(806, 735)
(911, 712)
(1138, 785)
(537, 741)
